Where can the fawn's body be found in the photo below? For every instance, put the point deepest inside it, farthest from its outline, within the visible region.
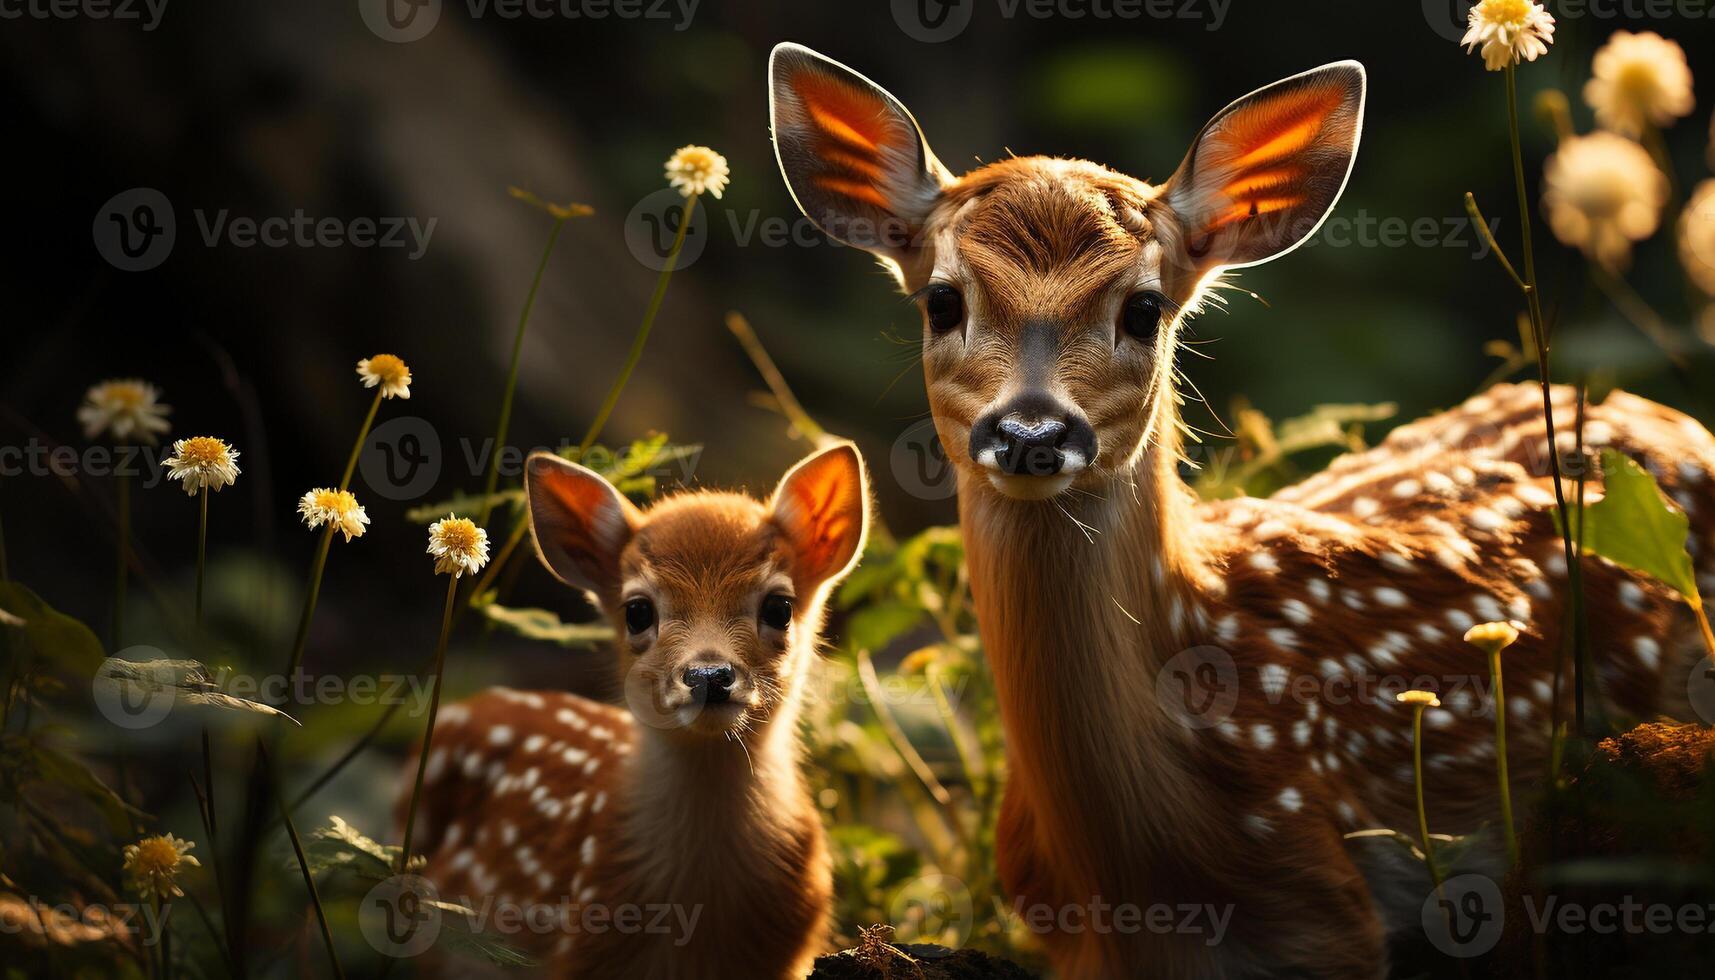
(1114, 606)
(676, 839)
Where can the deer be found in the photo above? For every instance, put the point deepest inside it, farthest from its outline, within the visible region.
(1055, 295)
(684, 814)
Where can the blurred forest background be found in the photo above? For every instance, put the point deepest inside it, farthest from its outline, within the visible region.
(268, 108)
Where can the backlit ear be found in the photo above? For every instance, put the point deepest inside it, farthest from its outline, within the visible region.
(1266, 171)
(853, 158)
(579, 522)
(822, 506)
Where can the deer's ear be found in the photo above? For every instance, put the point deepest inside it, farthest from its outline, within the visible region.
(1268, 169)
(853, 158)
(579, 522)
(822, 507)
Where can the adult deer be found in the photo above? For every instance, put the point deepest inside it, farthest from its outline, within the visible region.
(1055, 293)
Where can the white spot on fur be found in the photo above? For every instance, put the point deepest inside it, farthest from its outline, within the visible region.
(1262, 736)
(1296, 612)
(1262, 561)
(499, 735)
(1319, 589)
(1301, 733)
(1282, 637)
(1273, 678)
(1406, 488)
(1632, 595)
(1365, 507)
(1648, 651)
(1392, 597)
(1290, 800)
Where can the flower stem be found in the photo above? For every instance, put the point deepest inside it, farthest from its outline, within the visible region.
(310, 597)
(1534, 301)
(303, 863)
(202, 553)
(429, 728)
(122, 482)
(1417, 776)
(1501, 756)
(362, 435)
(636, 353)
(505, 422)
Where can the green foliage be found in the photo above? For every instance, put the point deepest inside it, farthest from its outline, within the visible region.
(49, 637)
(546, 625)
(1266, 456)
(1635, 525)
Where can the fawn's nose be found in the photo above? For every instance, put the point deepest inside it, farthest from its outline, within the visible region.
(710, 685)
(1033, 437)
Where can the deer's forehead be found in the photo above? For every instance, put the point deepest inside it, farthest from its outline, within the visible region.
(706, 553)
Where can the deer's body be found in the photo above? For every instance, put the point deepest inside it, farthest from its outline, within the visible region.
(677, 839)
(1111, 601)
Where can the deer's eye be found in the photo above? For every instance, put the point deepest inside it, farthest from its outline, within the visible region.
(639, 615)
(1142, 315)
(946, 308)
(777, 611)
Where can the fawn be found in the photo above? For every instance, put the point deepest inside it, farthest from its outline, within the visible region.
(1054, 294)
(687, 817)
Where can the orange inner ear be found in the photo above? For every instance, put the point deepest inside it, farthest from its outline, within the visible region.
(1262, 147)
(582, 521)
(853, 129)
(825, 518)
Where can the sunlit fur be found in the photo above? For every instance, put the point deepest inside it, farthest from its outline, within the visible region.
(1086, 598)
(547, 800)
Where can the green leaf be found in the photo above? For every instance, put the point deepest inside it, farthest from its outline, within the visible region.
(53, 636)
(544, 624)
(464, 505)
(341, 847)
(1635, 525)
(36, 762)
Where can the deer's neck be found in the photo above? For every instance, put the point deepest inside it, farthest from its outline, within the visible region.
(1080, 601)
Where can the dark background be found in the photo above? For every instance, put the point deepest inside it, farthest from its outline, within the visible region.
(267, 108)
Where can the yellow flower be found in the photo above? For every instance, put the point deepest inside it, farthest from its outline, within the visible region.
(337, 507)
(387, 371)
(1509, 30)
(1419, 698)
(123, 408)
(152, 865)
(1640, 80)
(202, 461)
(458, 545)
(695, 169)
(1602, 192)
(1697, 237)
(1492, 638)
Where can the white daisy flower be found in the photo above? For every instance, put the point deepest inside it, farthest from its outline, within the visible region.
(387, 371)
(1602, 192)
(695, 169)
(339, 508)
(1640, 80)
(1507, 31)
(1697, 237)
(202, 461)
(458, 546)
(125, 409)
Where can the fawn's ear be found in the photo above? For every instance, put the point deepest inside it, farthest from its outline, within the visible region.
(579, 522)
(822, 507)
(853, 158)
(1265, 172)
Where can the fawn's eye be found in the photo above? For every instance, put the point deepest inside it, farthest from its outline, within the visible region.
(946, 308)
(1142, 315)
(639, 615)
(777, 611)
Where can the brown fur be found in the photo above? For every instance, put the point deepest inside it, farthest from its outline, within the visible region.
(571, 808)
(1090, 600)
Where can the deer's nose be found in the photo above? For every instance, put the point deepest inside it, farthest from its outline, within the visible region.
(1040, 439)
(710, 685)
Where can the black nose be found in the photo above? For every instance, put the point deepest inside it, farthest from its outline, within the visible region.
(710, 685)
(1033, 437)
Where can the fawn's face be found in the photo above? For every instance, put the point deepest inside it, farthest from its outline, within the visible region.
(1053, 290)
(716, 598)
